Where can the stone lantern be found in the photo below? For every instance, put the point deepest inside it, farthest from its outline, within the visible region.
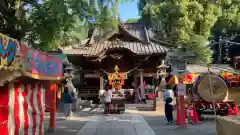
(161, 72)
(68, 69)
(69, 75)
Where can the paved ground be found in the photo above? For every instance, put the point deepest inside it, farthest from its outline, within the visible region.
(72, 126)
(157, 123)
(66, 127)
(133, 122)
(125, 124)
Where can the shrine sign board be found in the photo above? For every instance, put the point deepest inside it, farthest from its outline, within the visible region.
(40, 65)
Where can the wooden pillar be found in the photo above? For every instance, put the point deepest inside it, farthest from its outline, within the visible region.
(142, 90)
(101, 83)
(81, 78)
(52, 123)
(135, 83)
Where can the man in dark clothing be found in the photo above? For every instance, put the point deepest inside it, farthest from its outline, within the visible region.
(169, 110)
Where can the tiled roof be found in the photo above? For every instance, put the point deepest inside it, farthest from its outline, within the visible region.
(137, 42)
(138, 30)
(135, 47)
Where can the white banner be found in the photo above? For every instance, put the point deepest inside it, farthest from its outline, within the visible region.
(181, 89)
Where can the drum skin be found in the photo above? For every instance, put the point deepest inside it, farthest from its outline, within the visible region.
(202, 88)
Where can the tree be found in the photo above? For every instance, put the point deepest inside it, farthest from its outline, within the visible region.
(184, 23)
(132, 20)
(228, 23)
(12, 17)
(47, 24)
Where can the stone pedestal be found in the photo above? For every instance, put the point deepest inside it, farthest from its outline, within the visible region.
(159, 101)
(76, 106)
(228, 125)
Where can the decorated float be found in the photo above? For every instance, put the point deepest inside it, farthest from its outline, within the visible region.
(116, 81)
(198, 93)
(26, 75)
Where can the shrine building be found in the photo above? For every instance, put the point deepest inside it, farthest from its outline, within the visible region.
(129, 48)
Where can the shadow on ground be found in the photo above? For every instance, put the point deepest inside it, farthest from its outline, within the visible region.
(72, 126)
(157, 122)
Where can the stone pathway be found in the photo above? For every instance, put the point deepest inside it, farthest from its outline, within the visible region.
(133, 122)
(125, 124)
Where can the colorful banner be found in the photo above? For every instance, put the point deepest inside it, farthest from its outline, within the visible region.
(228, 76)
(8, 50)
(231, 78)
(40, 65)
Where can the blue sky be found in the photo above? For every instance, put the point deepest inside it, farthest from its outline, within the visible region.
(128, 10)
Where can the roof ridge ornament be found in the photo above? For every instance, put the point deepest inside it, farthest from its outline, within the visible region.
(116, 69)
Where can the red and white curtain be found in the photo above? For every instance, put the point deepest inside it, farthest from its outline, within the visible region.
(22, 109)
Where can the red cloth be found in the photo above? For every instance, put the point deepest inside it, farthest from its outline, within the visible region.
(230, 112)
(178, 117)
(195, 118)
(235, 110)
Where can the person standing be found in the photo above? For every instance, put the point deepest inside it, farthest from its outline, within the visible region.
(107, 101)
(169, 110)
(168, 93)
(168, 96)
(67, 100)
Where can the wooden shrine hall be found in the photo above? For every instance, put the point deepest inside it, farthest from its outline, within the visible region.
(128, 48)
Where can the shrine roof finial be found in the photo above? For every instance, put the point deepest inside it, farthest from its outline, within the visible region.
(116, 69)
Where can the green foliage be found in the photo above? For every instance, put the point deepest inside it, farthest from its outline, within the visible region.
(48, 24)
(191, 23)
(228, 23)
(12, 17)
(132, 20)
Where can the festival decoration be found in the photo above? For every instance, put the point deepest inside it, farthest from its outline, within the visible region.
(116, 79)
(40, 65)
(187, 79)
(232, 78)
(9, 48)
(22, 105)
(22, 109)
(227, 75)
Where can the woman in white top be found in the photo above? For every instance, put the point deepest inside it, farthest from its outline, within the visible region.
(107, 100)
